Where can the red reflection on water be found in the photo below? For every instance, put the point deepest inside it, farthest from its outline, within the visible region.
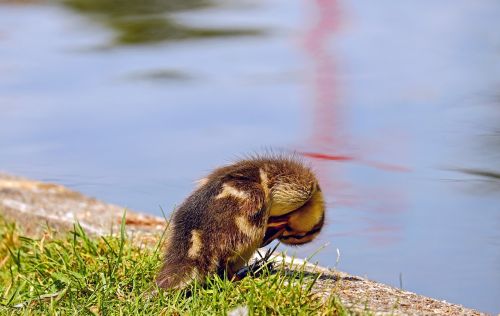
(374, 164)
(386, 166)
(326, 132)
(329, 140)
(326, 156)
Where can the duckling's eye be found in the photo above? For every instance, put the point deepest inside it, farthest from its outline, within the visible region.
(288, 228)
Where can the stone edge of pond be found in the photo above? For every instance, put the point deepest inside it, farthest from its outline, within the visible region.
(33, 205)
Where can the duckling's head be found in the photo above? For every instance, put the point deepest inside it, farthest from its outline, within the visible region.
(297, 208)
(290, 183)
(305, 223)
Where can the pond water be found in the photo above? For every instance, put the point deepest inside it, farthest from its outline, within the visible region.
(397, 107)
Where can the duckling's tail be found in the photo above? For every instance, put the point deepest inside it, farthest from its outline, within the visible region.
(176, 276)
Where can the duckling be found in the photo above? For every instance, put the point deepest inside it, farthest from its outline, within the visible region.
(235, 210)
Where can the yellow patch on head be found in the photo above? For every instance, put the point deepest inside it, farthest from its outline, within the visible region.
(305, 218)
(194, 250)
(228, 190)
(287, 197)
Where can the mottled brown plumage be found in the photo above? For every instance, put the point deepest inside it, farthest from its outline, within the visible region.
(237, 209)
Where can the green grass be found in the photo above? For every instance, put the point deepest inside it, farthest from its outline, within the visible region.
(76, 274)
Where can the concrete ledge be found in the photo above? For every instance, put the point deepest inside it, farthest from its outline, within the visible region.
(34, 205)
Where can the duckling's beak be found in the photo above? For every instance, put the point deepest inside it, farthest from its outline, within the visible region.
(277, 221)
(275, 228)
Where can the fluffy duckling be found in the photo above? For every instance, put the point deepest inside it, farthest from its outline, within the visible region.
(235, 210)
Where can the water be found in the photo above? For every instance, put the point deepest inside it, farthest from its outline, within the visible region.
(397, 105)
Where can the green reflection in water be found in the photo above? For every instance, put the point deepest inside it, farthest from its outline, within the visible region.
(150, 21)
(482, 173)
(144, 30)
(161, 75)
(135, 7)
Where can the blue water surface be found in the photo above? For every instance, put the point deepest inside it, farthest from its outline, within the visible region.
(400, 102)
